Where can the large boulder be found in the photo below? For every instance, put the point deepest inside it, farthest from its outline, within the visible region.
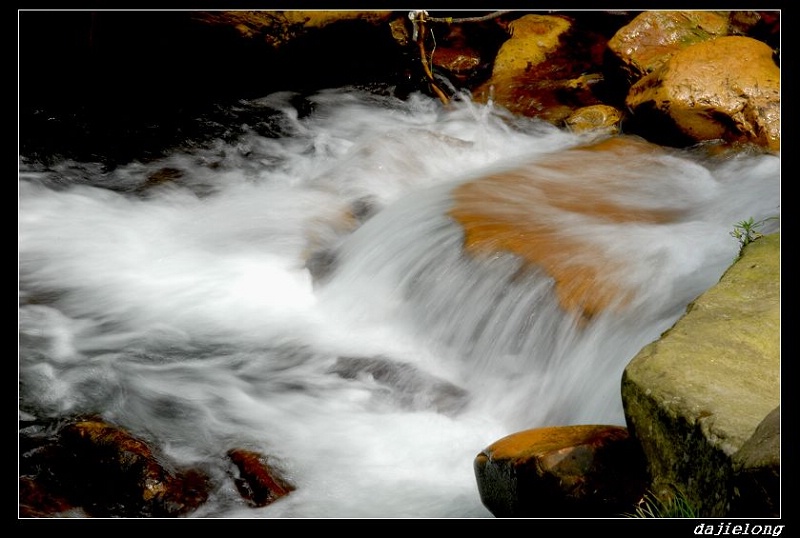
(725, 88)
(695, 397)
(652, 37)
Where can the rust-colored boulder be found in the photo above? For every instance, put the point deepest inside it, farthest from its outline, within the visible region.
(543, 70)
(562, 471)
(726, 88)
(257, 481)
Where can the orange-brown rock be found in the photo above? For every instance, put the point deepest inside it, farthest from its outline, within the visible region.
(533, 37)
(257, 481)
(460, 62)
(652, 37)
(540, 71)
(726, 88)
(519, 212)
(562, 471)
(455, 55)
(602, 118)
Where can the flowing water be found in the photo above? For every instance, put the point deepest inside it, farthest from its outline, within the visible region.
(301, 289)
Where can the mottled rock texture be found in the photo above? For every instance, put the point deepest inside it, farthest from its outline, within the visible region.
(695, 397)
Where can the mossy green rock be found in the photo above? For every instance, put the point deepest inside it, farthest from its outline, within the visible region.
(693, 397)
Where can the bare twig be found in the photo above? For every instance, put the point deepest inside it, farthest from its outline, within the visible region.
(418, 18)
(451, 20)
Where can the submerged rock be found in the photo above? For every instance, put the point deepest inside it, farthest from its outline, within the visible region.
(404, 384)
(496, 216)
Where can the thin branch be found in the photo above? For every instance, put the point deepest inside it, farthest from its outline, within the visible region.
(451, 20)
(420, 33)
(418, 19)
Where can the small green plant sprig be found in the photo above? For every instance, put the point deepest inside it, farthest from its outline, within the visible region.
(676, 506)
(746, 231)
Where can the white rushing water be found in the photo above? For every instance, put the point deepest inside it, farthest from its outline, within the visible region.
(240, 305)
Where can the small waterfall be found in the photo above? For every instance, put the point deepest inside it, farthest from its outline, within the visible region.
(310, 290)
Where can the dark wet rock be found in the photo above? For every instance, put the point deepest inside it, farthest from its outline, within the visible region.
(562, 471)
(757, 471)
(321, 264)
(258, 482)
(106, 472)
